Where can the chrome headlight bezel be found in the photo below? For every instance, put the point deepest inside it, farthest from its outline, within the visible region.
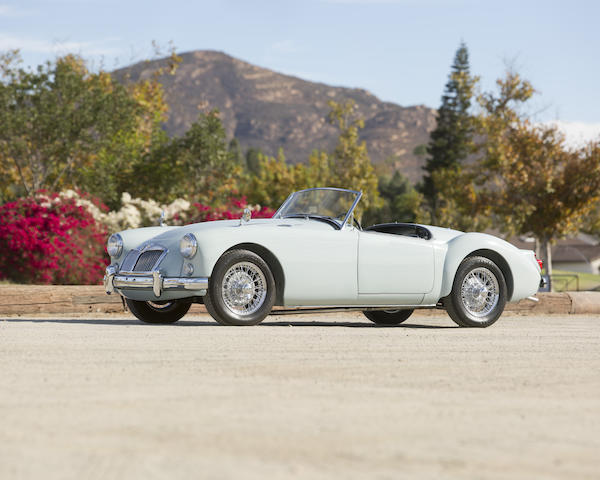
(114, 246)
(188, 246)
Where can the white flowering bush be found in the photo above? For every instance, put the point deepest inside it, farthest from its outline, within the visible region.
(134, 212)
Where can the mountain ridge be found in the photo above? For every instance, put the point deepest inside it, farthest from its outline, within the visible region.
(271, 110)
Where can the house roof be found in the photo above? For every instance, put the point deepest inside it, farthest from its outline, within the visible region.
(575, 253)
(581, 248)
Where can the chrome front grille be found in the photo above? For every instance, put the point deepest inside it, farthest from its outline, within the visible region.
(147, 260)
(129, 262)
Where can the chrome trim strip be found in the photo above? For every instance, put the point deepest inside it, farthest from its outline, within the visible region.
(157, 282)
(348, 308)
(277, 214)
(351, 211)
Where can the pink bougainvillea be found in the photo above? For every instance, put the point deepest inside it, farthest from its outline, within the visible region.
(233, 209)
(50, 239)
(54, 238)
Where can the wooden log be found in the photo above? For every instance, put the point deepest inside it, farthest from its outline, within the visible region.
(49, 299)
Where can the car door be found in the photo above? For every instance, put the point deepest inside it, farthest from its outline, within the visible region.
(394, 264)
(320, 263)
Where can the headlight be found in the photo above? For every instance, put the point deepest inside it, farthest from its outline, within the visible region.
(115, 245)
(188, 245)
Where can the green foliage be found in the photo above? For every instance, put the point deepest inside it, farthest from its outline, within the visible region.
(401, 202)
(452, 140)
(524, 179)
(274, 181)
(200, 165)
(64, 126)
(348, 166)
(253, 160)
(349, 163)
(235, 151)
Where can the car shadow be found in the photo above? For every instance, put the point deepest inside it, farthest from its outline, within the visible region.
(321, 323)
(195, 323)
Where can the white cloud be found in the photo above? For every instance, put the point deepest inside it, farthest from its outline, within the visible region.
(25, 44)
(577, 133)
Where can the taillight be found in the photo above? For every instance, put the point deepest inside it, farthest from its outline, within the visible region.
(540, 262)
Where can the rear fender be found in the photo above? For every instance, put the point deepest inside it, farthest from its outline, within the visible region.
(477, 244)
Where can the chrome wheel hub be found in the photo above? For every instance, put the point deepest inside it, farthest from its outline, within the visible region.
(244, 288)
(480, 292)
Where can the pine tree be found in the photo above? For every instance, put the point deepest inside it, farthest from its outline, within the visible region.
(452, 140)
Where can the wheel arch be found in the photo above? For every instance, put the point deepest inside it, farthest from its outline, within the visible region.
(473, 245)
(272, 262)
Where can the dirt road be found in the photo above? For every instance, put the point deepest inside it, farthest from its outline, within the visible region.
(320, 397)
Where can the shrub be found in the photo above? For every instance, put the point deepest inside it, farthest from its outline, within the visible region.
(233, 209)
(50, 238)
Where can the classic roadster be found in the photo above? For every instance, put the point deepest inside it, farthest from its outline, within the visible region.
(314, 256)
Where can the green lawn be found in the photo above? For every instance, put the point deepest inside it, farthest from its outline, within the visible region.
(587, 281)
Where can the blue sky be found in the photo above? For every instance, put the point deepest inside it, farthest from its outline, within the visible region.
(400, 50)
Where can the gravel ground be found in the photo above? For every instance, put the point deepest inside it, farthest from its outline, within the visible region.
(328, 396)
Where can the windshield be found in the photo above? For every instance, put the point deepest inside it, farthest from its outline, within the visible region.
(333, 203)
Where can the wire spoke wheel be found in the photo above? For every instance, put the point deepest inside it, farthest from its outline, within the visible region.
(480, 292)
(244, 288)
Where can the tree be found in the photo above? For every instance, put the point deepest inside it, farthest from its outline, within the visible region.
(348, 166)
(401, 202)
(532, 182)
(252, 160)
(274, 181)
(543, 188)
(452, 140)
(64, 126)
(236, 151)
(199, 165)
(349, 163)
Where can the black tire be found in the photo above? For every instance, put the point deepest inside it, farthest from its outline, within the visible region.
(388, 317)
(212, 312)
(493, 296)
(224, 291)
(164, 313)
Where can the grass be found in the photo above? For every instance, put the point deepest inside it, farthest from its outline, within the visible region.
(587, 281)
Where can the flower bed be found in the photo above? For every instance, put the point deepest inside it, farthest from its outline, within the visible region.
(59, 238)
(49, 239)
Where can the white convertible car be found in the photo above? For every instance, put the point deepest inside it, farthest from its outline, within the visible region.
(313, 256)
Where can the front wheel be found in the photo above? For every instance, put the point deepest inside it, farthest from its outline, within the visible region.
(158, 313)
(241, 290)
(478, 293)
(388, 317)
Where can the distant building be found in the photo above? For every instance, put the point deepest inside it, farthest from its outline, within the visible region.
(577, 254)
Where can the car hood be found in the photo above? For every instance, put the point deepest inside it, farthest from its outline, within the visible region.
(174, 234)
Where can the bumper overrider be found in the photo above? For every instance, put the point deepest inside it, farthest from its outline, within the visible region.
(150, 280)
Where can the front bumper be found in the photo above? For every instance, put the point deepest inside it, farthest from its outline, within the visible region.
(150, 280)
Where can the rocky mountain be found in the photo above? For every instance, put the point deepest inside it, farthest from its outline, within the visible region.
(269, 110)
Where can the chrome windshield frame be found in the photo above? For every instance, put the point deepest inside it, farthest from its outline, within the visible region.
(348, 213)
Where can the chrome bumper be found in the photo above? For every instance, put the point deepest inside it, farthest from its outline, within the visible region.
(153, 280)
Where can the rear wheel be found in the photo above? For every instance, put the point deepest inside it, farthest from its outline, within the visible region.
(478, 293)
(158, 312)
(388, 317)
(241, 289)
